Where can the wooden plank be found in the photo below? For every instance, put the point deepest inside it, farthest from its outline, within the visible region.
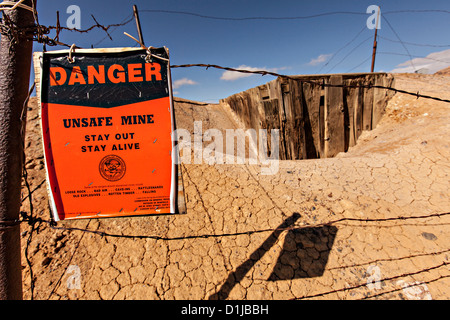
(351, 105)
(299, 123)
(322, 123)
(368, 105)
(358, 111)
(37, 73)
(289, 98)
(181, 196)
(311, 102)
(271, 119)
(285, 92)
(295, 128)
(379, 101)
(334, 123)
(316, 122)
(264, 92)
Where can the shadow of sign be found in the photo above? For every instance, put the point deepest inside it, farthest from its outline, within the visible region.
(305, 253)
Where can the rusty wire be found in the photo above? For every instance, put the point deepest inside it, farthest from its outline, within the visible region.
(403, 275)
(317, 83)
(39, 33)
(31, 220)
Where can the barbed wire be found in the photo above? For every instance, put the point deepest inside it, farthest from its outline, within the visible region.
(32, 220)
(97, 25)
(125, 21)
(361, 285)
(39, 33)
(313, 82)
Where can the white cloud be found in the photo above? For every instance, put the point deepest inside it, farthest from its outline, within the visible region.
(183, 82)
(430, 64)
(234, 75)
(321, 58)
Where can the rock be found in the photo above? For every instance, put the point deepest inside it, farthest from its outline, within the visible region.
(46, 261)
(429, 236)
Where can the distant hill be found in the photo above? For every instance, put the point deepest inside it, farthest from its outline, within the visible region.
(443, 72)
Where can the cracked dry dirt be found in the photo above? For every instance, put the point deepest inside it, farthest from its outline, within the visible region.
(400, 169)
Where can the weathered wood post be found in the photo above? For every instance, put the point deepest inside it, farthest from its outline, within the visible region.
(138, 24)
(375, 41)
(334, 118)
(15, 63)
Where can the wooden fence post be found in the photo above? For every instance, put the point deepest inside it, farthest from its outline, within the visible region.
(15, 64)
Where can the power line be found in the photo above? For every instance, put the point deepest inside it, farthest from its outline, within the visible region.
(194, 14)
(416, 44)
(370, 57)
(351, 51)
(403, 44)
(417, 11)
(253, 18)
(342, 48)
(417, 57)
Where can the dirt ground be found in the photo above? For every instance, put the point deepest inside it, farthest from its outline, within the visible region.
(372, 223)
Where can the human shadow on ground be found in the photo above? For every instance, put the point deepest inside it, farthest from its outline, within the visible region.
(304, 254)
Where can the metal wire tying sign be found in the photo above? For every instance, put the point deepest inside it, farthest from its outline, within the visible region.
(107, 119)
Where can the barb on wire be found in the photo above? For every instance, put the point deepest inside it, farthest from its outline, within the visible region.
(102, 27)
(124, 22)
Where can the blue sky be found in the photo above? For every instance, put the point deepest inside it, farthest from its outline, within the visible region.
(286, 46)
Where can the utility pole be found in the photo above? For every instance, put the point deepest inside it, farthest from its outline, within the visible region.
(15, 63)
(138, 25)
(375, 40)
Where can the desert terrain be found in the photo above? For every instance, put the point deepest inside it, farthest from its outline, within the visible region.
(372, 223)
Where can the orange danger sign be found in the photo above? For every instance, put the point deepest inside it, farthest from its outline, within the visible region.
(107, 123)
